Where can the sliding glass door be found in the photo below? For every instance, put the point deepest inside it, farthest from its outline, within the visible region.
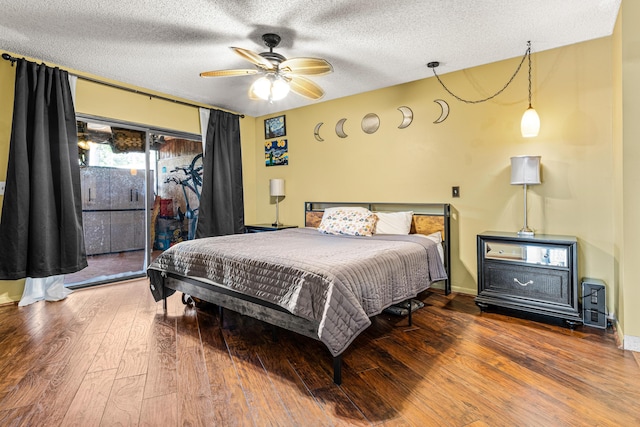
(140, 193)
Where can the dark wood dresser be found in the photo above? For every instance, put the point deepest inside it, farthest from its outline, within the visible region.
(537, 274)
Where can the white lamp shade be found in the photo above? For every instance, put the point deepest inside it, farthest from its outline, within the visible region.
(530, 124)
(525, 170)
(276, 187)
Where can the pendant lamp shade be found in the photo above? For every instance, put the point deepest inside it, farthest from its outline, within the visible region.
(530, 124)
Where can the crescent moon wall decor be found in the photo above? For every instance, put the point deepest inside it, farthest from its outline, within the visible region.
(316, 132)
(445, 110)
(407, 117)
(340, 128)
(370, 123)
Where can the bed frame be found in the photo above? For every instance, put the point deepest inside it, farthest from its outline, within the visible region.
(427, 219)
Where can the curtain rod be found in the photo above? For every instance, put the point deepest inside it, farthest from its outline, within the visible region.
(13, 59)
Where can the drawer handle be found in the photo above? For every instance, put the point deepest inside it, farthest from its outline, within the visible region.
(530, 282)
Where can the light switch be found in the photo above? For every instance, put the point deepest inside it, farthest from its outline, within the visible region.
(2, 185)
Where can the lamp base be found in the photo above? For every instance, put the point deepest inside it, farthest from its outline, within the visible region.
(276, 224)
(526, 232)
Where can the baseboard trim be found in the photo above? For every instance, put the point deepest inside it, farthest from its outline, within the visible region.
(631, 343)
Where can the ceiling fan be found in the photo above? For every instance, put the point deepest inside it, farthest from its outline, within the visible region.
(279, 73)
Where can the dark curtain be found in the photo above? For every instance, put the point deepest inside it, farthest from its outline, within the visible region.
(41, 223)
(221, 209)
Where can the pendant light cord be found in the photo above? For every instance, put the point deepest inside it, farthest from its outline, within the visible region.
(527, 54)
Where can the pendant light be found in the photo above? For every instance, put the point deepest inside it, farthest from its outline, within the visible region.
(530, 124)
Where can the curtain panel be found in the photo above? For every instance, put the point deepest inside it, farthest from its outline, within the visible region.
(41, 224)
(221, 209)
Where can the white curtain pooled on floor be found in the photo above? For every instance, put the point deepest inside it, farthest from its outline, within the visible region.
(46, 288)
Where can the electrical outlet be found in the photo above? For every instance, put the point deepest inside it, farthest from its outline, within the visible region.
(455, 191)
(2, 185)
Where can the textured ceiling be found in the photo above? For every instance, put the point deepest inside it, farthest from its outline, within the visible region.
(163, 45)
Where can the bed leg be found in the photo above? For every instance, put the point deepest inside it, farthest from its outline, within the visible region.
(410, 311)
(164, 296)
(337, 370)
(221, 315)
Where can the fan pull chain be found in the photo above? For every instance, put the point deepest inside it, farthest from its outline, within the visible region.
(527, 54)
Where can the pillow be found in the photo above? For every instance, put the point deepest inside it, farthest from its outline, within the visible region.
(393, 222)
(436, 237)
(348, 221)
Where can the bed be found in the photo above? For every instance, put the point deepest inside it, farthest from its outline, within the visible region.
(324, 280)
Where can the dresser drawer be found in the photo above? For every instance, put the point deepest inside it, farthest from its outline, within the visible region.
(535, 283)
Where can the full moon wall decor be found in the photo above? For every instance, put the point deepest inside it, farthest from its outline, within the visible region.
(370, 123)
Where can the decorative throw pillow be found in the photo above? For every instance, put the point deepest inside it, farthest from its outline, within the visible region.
(393, 222)
(348, 221)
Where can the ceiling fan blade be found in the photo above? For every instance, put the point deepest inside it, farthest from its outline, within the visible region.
(306, 66)
(254, 58)
(305, 87)
(228, 73)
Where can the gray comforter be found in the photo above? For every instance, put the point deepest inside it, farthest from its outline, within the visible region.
(336, 281)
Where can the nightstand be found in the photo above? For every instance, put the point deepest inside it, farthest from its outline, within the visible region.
(259, 228)
(537, 274)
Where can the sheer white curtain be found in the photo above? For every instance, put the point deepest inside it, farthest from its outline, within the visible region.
(47, 288)
(204, 123)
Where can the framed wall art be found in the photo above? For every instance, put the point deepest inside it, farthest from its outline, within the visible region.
(276, 152)
(275, 127)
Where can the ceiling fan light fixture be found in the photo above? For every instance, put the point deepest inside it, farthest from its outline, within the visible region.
(279, 74)
(270, 88)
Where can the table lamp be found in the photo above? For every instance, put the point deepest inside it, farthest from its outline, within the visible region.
(525, 170)
(276, 189)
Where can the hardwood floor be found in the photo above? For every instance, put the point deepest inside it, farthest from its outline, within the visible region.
(111, 356)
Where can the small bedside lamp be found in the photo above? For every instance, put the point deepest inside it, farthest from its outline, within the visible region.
(525, 170)
(276, 189)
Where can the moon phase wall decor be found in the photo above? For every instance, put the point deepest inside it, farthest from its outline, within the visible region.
(340, 128)
(407, 117)
(316, 132)
(370, 123)
(445, 110)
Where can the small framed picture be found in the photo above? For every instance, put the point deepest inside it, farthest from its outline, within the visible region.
(276, 152)
(274, 127)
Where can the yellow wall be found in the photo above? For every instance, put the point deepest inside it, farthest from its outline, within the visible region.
(9, 290)
(471, 149)
(628, 160)
(103, 101)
